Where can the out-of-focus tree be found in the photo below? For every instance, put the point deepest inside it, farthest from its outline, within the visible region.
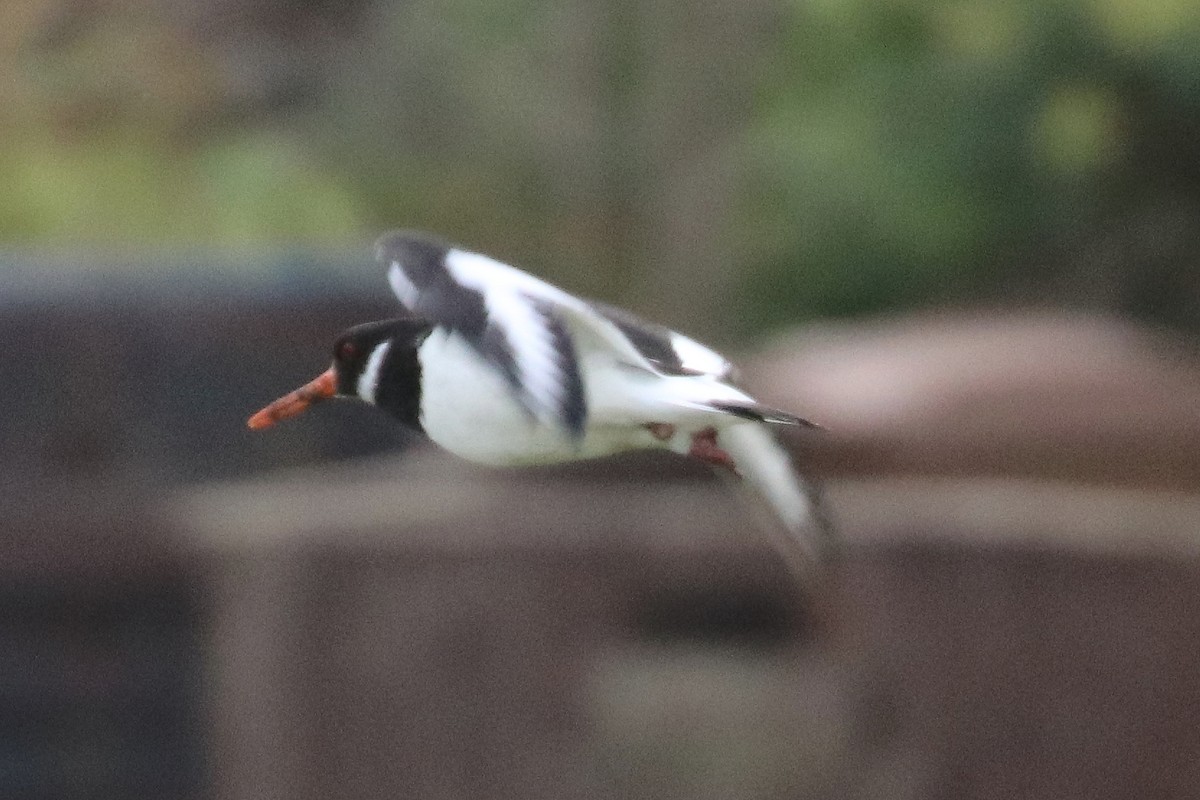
(914, 150)
(116, 127)
(595, 140)
(721, 165)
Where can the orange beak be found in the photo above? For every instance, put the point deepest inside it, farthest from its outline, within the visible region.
(323, 387)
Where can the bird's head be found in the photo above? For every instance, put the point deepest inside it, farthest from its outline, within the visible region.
(375, 362)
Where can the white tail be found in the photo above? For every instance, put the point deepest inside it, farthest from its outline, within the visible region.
(768, 470)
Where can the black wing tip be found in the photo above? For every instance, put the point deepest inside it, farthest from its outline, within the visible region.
(761, 413)
(784, 418)
(403, 243)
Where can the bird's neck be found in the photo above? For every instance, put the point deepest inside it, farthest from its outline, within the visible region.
(391, 380)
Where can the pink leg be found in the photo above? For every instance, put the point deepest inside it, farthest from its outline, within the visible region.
(704, 447)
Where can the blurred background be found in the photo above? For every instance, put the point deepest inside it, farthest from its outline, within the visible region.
(961, 235)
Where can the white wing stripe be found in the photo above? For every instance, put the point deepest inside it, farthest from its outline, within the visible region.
(698, 358)
(505, 292)
(486, 275)
(529, 340)
(402, 286)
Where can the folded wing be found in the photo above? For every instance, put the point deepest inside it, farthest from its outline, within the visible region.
(529, 330)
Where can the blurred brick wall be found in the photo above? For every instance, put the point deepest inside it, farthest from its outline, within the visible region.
(112, 400)
(1034, 666)
(525, 636)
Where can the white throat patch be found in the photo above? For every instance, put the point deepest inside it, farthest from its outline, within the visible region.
(368, 381)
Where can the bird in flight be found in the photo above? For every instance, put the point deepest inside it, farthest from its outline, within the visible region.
(502, 368)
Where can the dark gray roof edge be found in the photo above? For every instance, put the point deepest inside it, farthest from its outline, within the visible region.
(37, 276)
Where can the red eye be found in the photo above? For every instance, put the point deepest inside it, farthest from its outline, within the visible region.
(346, 351)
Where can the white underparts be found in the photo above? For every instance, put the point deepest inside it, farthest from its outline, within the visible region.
(369, 379)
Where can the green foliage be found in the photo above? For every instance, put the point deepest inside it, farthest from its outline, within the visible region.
(906, 150)
(815, 158)
(117, 189)
(108, 140)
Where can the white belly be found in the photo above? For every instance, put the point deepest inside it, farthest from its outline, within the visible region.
(468, 408)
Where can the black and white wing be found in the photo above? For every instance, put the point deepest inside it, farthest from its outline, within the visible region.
(508, 317)
(668, 352)
(529, 329)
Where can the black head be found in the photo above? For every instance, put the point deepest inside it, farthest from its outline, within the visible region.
(376, 361)
(358, 347)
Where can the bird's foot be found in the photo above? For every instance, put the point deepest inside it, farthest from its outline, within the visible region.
(704, 447)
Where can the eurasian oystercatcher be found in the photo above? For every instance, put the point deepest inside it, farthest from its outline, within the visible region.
(502, 368)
